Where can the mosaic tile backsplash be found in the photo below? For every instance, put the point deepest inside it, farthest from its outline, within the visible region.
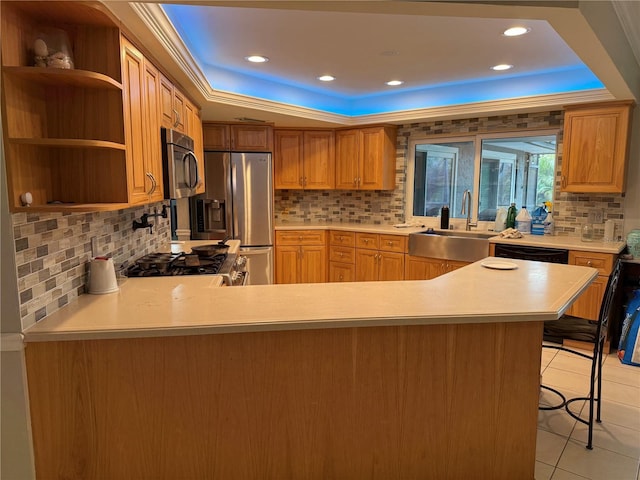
(381, 207)
(53, 251)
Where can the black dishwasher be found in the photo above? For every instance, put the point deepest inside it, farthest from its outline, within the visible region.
(554, 331)
(538, 254)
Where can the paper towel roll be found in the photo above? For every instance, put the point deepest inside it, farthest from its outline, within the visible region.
(609, 230)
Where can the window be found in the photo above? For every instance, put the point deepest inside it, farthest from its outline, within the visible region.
(497, 169)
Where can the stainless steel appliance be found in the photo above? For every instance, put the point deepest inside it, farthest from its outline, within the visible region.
(180, 165)
(229, 265)
(238, 203)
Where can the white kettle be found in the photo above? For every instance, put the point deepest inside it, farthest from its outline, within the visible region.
(102, 276)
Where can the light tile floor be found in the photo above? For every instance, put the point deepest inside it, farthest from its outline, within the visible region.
(560, 448)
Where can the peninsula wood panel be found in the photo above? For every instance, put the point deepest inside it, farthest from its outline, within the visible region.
(398, 402)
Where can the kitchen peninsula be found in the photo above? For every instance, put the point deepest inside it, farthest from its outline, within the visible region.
(178, 378)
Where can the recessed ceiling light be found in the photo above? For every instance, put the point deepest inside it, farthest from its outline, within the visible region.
(515, 31)
(394, 83)
(502, 66)
(256, 59)
(326, 78)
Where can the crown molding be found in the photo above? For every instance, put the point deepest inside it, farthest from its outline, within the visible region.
(159, 24)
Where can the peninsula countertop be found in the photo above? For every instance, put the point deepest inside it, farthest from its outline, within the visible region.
(169, 306)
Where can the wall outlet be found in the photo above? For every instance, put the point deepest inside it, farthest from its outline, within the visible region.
(596, 216)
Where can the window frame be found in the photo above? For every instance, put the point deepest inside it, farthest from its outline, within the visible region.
(459, 223)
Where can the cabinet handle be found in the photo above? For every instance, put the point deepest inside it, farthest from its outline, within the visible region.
(153, 183)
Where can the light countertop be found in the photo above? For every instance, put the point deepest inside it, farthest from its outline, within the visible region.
(164, 306)
(549, 241)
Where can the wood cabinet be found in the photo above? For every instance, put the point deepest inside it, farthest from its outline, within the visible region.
(237, 137)
(595, 147)
(424, 268)
(342, 256)
(301, 256)
(379, 257)
(64, 130)
(304, 159)
(588, 304)
(172, 105)
(140, 82)
(82, 139)
(366, 158)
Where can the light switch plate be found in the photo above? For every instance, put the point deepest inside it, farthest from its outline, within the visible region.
(596, 216)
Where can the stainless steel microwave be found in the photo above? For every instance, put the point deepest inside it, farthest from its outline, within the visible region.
(180, 165)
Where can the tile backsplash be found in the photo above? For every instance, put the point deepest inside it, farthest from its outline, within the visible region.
(388, 207)
(53, 251)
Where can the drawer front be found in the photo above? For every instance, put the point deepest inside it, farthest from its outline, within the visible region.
(367, 240)
(347, 239)
(300, 237)
(602, 261)
(342, 254)
(393, 243)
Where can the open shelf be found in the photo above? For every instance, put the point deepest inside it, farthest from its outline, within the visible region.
(61, 77)
(68, 143)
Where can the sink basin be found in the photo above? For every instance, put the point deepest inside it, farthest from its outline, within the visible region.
(448, 245)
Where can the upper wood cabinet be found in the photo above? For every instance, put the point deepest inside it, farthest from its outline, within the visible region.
(237, 137)
(172, 105)
(366, 158)
(304, 159)
(64, 130)
(595, 147)
(141, 82)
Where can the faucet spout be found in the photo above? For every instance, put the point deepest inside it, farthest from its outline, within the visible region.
(466, 207)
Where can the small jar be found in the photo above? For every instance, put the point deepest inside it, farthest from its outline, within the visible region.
(587, 233)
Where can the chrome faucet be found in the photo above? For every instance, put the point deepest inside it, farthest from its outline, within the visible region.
(466, 202)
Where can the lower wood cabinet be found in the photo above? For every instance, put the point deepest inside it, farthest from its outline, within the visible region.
(423, 268)
(379, 257)
(301, 256)
(588, 304)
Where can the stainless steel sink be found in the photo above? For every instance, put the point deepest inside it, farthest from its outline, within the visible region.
(448, 245)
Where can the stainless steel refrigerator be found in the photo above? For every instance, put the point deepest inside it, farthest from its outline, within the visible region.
(238, 203)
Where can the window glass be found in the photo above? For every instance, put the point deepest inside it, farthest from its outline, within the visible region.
(516, 169)
(498, 170)
(442, 172)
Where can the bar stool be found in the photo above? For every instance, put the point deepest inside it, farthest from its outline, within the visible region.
(595, 390)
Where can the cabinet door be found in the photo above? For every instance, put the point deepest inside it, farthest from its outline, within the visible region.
(251, 138)
(347, 159)
(287, 264)
(151, 126)
(313, 264)
(179, 103)
(166, 102)
(588, 304)
(319, 164)
(287, 159)
(341, 272)
(377, 171)
(366, 265)
(139, 184)
(216, 136)
(390, 266)
(595, 148)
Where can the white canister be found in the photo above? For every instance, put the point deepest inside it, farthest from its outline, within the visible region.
(102, 276)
